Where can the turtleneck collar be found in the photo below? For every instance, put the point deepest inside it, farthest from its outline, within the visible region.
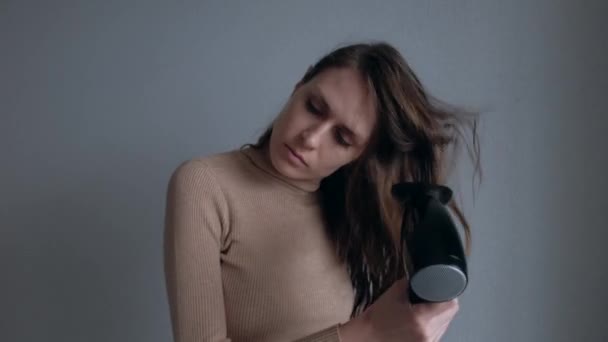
(261, 158)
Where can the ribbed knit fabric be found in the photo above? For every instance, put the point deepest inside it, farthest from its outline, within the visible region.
(247, 257)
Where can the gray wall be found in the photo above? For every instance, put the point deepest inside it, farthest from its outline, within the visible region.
(100, 100)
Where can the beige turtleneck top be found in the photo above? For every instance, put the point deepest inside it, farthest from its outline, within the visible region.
(247, 257)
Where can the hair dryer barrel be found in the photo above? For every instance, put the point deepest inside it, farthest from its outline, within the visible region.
(438, 266)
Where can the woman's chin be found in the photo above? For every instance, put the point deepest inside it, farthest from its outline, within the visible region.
(286, 169)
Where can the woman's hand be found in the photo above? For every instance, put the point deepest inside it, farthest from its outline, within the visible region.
(392, 318)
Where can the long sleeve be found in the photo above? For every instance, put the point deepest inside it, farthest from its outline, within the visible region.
(195, 221)
(247, 257)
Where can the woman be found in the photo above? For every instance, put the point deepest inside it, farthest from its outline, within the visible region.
(296, 237)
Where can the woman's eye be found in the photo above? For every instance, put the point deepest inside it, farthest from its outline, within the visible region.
(341, 140)
(311, 108)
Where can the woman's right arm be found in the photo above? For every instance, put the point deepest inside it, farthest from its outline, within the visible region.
(195, 220)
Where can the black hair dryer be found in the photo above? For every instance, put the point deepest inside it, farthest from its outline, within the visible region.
(437, 265)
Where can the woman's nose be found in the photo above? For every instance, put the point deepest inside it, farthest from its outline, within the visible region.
(311, 137)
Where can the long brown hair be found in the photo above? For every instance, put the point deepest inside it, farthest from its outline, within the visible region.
(409, 143)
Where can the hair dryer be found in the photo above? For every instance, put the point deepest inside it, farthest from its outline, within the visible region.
(437, 266)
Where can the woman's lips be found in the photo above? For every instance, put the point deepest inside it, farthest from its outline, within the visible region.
(296, 155)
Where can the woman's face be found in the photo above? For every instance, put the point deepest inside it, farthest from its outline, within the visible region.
(325, 124)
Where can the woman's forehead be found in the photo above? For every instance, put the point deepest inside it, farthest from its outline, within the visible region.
(345, 94)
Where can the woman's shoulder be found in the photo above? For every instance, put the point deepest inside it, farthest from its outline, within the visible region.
(206, 169)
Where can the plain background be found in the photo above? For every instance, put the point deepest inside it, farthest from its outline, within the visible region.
(101, 100)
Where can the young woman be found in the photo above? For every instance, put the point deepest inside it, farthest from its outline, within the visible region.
(297, 237)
